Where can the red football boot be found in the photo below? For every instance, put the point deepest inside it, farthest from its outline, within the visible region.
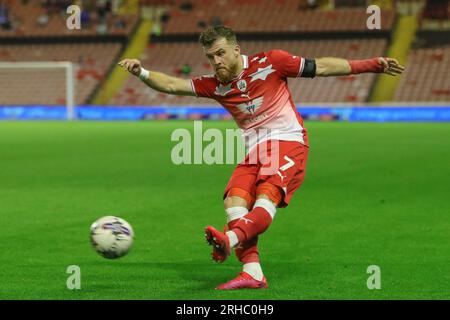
(220, 243)
(244, 281)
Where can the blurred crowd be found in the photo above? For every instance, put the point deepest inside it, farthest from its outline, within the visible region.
(100, 14)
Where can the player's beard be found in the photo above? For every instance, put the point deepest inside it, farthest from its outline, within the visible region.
(227, 74)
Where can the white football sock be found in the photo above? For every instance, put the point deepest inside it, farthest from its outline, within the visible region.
(254, 269)
(266, 205)
(233, 238)
(234, 213)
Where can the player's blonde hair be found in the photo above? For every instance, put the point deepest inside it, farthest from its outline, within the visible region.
(210, 35)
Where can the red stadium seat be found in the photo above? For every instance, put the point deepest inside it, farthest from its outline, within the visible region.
(426, 76)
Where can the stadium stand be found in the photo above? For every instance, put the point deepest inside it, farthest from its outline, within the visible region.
(48, 86)
(45, 19)
(35, 30)
(426, 78)
(263, 16)
(436, 10)
(26, 18)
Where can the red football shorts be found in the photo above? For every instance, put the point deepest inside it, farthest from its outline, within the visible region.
(281, 163)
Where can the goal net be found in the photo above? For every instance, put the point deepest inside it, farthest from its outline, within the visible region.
(38, 84)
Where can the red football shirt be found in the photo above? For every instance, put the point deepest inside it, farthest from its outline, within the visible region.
(259, 98)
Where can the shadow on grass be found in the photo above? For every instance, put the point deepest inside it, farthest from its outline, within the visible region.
(185, 275)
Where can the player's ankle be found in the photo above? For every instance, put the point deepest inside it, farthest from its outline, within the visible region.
(241, 236)
(254, 269)
(232, 238)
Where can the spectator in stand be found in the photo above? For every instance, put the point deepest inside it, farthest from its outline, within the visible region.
(186, 69)
(186, 6)
(119, 23)
(102, 28)
(85, 18)
(43, 20)
(104, 7)
(156, 29)
(165, 17)
(312, 4)
(216, 21)
(5, 20)
(437, 9)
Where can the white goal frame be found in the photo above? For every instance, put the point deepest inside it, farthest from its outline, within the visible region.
(70, 79)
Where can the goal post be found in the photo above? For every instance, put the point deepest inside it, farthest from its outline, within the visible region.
(69, 78)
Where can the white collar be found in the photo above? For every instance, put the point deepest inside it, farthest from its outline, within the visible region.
(245, 59)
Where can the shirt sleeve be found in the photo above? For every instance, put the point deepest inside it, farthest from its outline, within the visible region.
(287, 64)
(203, 86)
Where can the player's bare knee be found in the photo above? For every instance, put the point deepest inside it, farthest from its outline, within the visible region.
(234, 201)
(237, 197)
(227, 202)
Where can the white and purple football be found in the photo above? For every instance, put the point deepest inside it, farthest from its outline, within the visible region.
(112, 237)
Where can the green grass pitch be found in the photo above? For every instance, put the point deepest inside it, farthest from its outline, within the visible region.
(374, 194)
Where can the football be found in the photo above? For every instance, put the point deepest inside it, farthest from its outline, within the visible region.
(111, 237)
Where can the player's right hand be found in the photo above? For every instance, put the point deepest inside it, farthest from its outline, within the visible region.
(391, 66)
(133, 66)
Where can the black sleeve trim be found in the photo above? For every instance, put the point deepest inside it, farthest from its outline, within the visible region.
(309, 70)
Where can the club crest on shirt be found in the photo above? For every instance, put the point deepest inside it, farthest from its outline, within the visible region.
(242, 85)
(252, 106)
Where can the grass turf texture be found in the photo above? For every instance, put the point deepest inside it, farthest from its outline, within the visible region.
(375, 194)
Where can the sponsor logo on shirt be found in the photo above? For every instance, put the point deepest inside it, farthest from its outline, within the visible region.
(252, 106)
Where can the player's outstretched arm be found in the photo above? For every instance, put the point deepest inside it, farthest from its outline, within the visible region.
(158, 81)
(326, 67)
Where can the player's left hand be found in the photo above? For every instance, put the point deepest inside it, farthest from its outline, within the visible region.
(391, 66)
